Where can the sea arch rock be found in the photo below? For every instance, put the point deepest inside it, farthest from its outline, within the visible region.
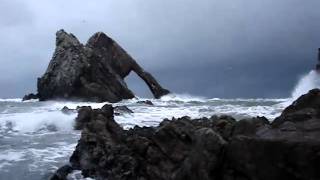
(92, 72)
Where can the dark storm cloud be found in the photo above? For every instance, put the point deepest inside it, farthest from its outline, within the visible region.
(243, 48)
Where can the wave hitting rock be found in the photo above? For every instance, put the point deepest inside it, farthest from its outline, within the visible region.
(91, 72)
(207, 148)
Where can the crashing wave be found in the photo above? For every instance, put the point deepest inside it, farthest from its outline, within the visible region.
(306, 83)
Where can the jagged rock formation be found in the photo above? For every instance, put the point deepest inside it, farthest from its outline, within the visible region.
(288, 148)
(207, 148)
(93, 72)
(304, 109)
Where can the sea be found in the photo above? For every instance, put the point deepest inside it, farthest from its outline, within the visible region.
(36, 138)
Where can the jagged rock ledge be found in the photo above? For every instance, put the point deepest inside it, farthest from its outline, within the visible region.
(91, 72)
(207, 148)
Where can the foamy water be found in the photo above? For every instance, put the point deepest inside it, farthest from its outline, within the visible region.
(36, 137)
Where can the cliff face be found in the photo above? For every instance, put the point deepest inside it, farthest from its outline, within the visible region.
(92, 72)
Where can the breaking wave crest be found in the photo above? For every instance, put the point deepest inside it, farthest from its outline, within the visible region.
(36, 121)
(11, 100)
(182, 98)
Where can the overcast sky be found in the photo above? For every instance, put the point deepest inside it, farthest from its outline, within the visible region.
(211, 48)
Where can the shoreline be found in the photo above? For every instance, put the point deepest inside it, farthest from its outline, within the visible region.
(207, 148)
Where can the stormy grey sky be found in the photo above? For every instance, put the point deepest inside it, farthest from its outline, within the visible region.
(212, 48)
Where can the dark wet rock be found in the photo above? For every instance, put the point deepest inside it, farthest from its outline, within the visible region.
(30, 96)
(91, 72)
(148, 102)
(223, 125)
(62, 173)
(179, 149)
(84, 116)
(218, 147)
(289, 147)
(118, 110)
(66, 110)
(306, 107)
(264, 159)
(250, 126)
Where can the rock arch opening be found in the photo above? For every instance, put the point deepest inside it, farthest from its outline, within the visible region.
(138, 86)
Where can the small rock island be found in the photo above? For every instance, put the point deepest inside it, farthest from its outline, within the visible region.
(91, 72)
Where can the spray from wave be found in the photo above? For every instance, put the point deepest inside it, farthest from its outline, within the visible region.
(306, 83)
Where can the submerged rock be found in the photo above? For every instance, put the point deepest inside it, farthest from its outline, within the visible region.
(207, 148)
(147, 102)
(118, 110)
(91, 72)
(66, 110)
(30, 96)
(62, 173)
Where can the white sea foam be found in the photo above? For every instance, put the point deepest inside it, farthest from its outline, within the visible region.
(153, 115)
(8, 157)
(76, 175)
(306, 83)
(11, 156)
(36, 121)
(11, 100)
(48, 116)
(49, 156)
(73, 105)
(250, 99)
(38, 158)
(182, 98)
(22, 117)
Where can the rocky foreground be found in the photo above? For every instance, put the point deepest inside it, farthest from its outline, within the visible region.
(216, 148)
(91, 72)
